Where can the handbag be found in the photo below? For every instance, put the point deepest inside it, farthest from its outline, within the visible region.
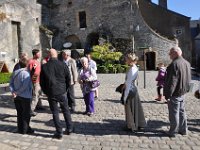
(94, 83)
(197, 94)
(120, 88)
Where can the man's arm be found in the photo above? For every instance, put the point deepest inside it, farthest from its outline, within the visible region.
(74, 71)
(42, 80)
(67, 76)
(171, 81)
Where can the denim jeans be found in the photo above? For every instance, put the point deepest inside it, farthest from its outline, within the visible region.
(177, 115)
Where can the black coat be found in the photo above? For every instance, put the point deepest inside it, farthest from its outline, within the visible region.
(54, 78)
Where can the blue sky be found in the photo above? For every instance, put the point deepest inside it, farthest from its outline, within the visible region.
(190, 8)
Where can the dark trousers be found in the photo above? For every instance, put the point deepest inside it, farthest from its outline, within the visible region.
(23, 107)
(70, 96)
(53, 103)
(159, 90)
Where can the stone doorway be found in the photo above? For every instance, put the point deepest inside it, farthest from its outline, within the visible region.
(151, 60)
(92, 40)
(16, 45)
(76, 44)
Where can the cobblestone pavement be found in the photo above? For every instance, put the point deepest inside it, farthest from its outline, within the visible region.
(104, 130)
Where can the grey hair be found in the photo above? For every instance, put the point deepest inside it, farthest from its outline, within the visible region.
(177, 50)
(83, 59)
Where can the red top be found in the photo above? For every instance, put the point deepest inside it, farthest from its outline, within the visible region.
(33, 63)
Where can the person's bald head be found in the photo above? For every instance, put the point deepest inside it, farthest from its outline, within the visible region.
(53, 53)
(175, 52)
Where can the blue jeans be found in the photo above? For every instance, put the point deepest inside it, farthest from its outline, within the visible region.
(177, 115)
(53, 103)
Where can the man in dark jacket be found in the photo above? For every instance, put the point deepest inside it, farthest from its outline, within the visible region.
(55, 80)
(176, 86)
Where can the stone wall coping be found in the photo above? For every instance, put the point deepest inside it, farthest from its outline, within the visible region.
(4, 85)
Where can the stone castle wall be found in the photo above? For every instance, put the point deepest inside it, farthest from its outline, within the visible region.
(117, 19)
(19, 30)
(168, 24)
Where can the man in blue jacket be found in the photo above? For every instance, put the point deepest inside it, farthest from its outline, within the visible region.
(21, 89)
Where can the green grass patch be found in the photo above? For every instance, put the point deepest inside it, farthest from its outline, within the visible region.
(5, 77)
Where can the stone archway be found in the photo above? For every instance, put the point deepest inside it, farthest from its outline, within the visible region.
(92, 39)
(76, 44)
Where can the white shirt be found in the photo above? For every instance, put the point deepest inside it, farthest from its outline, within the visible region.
(131, 76)
(93, 64)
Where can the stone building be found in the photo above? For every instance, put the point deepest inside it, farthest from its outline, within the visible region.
(19, 26)
(195, 35)
(125, 23)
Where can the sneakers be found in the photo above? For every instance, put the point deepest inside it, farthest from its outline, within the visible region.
(57, 136)
(72, 110)
(159, 98)
(183, 133)
(30, 131)
(40, 108)
(33, 114)
(90, 113)
(171, 135)
(69, 131)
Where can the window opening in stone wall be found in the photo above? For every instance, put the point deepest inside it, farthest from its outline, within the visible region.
(82, 19)
(69, 2)
(16, 36)
(179, 31)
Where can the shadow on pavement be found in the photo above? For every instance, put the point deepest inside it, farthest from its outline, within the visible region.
(194, 125)
(6, 102)
(4, 117)
(112, 100)
(107, 127)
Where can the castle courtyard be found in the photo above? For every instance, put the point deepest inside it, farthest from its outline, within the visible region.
(105, 129)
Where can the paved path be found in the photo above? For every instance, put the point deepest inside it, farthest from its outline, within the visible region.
(104, 130)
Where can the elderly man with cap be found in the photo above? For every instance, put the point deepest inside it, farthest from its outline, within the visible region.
(177, 83)
(71, 63)
(55, 81)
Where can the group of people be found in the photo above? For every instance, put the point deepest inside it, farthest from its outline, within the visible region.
(57, 78)
(175, 81)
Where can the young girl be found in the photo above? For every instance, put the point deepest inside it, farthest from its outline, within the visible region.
(160, 80)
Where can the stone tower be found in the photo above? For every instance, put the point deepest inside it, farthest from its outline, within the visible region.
(163, 3)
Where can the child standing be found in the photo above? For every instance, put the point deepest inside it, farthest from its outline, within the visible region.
(160, 80)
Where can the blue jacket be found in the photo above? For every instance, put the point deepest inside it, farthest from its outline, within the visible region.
(21, 83)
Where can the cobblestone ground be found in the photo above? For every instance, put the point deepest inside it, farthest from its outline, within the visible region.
(104, 130)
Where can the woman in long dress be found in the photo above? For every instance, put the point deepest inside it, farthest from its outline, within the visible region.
(133, 108)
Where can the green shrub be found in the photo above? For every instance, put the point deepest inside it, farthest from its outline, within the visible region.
(104, 54)
(4, 77)
(126, 67)
(119, 68)
(107, 58)
(102, 69)
(112, 68)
